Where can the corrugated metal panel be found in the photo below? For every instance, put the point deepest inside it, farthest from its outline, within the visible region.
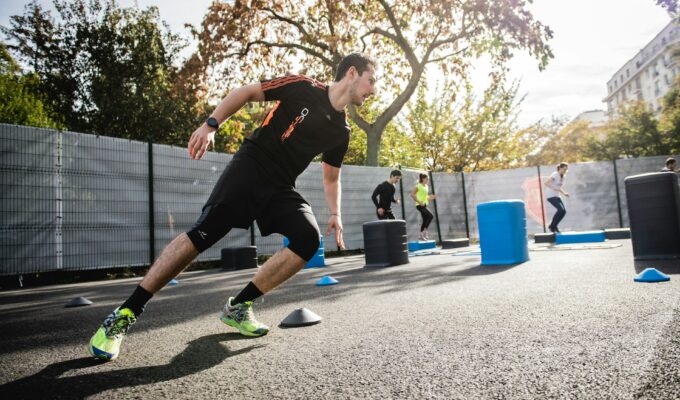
(74, 201)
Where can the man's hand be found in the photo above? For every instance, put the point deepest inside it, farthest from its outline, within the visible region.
(201, 140)
(334, 223)
(381, 211)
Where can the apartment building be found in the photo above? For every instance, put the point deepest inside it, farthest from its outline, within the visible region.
(648, 75)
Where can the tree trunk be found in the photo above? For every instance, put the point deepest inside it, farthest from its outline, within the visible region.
(373, 136)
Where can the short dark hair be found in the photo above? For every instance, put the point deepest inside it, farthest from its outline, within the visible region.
(562, 165)
(395, 172)
(670, 160)
(357, 60)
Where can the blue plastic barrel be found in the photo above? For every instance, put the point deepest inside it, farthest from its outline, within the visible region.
(318, 260)
(503, 232)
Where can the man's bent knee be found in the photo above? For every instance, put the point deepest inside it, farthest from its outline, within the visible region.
(305, 242)
(209, 228)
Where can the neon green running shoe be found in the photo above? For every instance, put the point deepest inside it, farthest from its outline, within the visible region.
(241, 317)
(105, 344)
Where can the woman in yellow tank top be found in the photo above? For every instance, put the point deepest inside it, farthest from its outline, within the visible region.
(420, 194)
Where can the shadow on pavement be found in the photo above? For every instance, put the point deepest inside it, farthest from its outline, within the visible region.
(200, 354)
(22, 328)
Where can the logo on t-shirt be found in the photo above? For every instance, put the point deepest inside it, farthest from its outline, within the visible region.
(295, 122)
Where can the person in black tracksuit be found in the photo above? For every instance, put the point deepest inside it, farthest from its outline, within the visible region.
(258, 184)
(383, 196)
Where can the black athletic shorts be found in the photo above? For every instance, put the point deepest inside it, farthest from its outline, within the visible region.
(245, 193)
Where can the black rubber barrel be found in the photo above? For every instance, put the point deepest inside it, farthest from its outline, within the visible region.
(239, 257)
(654, 214)
(385, 243)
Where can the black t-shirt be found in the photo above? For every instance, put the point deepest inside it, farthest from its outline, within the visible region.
(302, 125)
(386, 193)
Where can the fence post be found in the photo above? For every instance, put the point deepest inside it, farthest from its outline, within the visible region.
(436, 213)
(618, 196)
(59, 198)
(540, 191)
(401, 193)
(152, 230)
(467, 223)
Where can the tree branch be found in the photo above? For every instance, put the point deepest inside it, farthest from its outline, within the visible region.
(400, 40)
(300, 28)
(394, 108)
(451, 39)
(382, 32)
(307, 50)
(442, 58)
(358, 119)
(329, 17)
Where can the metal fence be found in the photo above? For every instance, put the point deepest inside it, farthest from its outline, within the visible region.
(72, 201)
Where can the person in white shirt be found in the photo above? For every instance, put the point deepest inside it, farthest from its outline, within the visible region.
(552, 194)
(670, 165)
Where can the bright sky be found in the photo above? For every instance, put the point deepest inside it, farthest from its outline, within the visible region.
(592, 39)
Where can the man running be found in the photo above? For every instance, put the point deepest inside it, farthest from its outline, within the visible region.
(383, 196)
(258, 184)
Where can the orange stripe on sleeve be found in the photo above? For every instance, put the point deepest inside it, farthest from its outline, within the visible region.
(271, 114)
(276, 83)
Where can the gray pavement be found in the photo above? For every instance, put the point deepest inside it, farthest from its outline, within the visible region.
(568, 324)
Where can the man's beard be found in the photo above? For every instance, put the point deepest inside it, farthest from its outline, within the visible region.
(356, 100)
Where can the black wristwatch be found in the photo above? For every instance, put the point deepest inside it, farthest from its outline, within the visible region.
(212, 122)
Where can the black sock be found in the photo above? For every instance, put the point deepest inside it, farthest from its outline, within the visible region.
(137, 301)
(249, 293)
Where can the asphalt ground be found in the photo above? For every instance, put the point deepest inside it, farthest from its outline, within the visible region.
(568, 324)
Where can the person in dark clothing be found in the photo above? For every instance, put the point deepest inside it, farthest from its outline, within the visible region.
(258, 184)
(383, 196)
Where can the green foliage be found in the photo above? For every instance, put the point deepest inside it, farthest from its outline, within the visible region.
(238, 127)
(397, 147)
(431, 125)
(108, 70)
(19, 103)
(458, 132)
(560, 141)
(669, 121)
(633, 133)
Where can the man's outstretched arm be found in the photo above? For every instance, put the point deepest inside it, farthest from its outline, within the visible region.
(204, 136)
